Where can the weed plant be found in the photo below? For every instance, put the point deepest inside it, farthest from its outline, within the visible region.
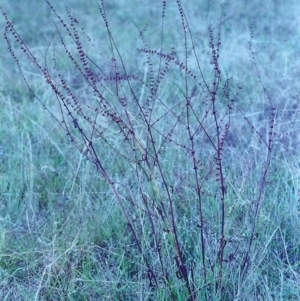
(172, 142)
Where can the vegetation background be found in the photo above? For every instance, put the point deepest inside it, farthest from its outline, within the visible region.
(62, 235)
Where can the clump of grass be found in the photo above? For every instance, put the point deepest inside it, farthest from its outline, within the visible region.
(171, 142)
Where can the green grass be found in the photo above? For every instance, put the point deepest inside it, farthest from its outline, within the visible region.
(63, 235)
